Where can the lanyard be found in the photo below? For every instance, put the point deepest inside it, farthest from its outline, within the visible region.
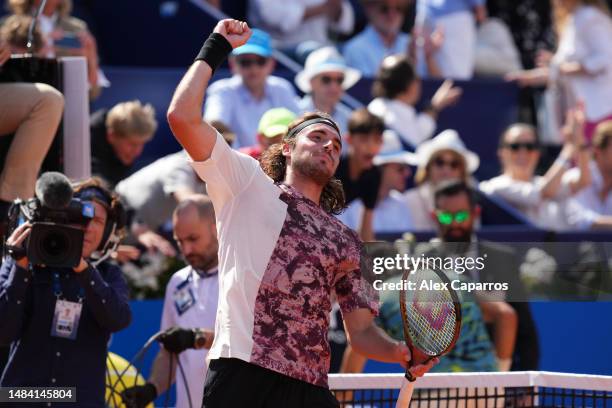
(57, 288)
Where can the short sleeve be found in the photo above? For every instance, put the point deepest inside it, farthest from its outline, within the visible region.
(369, 188)
(227, 173)
(353, 291)
(168, 318)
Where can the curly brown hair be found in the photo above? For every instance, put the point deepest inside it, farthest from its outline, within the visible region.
(274, 165)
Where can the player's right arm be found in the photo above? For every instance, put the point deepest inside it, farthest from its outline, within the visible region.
(185, 112)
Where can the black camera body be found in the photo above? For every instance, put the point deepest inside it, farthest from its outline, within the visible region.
(56, 236)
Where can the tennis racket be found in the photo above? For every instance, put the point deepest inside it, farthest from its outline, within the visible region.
(432, 321)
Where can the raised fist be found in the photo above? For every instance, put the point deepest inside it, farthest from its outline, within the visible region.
(235, 32)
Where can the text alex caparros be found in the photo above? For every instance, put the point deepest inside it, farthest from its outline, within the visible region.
(458, 265)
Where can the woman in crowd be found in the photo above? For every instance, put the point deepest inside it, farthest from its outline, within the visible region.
(545, 200)
(442, 158)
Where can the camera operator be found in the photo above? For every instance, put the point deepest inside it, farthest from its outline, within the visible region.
(58, 320)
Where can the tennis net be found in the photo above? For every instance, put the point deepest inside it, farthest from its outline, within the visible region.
(467, 390)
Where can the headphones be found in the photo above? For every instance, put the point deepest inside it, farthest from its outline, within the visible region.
(116, 218)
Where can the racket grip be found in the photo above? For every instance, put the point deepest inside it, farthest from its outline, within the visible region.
(405, 395)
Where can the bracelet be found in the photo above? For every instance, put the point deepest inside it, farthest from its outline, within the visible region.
(214, 51)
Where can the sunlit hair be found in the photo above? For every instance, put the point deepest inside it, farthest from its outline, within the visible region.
(274, 165)
(562, 9)
(603, 135)
(132, 119)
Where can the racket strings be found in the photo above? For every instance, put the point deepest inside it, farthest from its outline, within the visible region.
(431, 314)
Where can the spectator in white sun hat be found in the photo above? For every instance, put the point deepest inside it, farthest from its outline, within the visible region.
(324, 80)
(442, 158)
(391, 213)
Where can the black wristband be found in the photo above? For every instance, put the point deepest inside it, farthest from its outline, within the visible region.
(215, 49)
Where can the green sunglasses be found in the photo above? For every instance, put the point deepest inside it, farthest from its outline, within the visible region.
(446, 217)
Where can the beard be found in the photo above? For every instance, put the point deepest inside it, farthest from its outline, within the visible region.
(202, 262)
(457, 235)
(308, 168)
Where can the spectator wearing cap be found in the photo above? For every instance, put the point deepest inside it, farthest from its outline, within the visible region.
(302, 21)
(390, 213)
(397, 88)
(271, 129)
(241, 100)
(324, 80)
(440, 159)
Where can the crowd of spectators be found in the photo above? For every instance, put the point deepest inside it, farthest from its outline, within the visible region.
(395, 160)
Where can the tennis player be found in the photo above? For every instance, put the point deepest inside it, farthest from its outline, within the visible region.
(281, 253)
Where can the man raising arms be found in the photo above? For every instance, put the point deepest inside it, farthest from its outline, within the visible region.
(281, 253)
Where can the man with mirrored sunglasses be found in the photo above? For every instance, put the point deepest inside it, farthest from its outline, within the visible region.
(456, 213)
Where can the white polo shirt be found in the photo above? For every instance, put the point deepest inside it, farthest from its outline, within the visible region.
(190, 302)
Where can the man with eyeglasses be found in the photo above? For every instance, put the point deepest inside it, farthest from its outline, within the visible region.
(240, 101)
(381, 37)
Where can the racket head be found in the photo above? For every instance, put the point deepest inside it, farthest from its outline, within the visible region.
(431, 318)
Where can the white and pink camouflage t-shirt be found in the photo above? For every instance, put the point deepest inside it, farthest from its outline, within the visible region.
(280, 258)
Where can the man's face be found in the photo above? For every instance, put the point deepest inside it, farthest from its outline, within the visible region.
(387, 16)
(327, 87)
(395, 175)
(457, 209)
(316, 153)
(519, 153)
(94, 230)
(253, 68)
(446, 165)
(363, 147)
(196, 238)
(128, 148)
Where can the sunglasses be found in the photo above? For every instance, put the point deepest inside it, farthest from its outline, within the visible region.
(453, 164)
(326, 79)
(515, 147)
(249, 61)
(447, 217)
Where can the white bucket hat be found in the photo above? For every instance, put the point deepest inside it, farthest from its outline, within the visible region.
(447, 140)
(326, 59)
(392, 151)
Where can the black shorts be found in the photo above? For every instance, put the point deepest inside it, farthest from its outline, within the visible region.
(234, 383)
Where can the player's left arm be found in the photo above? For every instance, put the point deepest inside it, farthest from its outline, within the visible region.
(370, 340)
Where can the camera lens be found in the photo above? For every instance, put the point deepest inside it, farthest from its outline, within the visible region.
(55, 244)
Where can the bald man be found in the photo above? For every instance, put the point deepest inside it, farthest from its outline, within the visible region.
(190, 306)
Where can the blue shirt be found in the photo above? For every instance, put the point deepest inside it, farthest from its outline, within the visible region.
(341, 113)
(37, 359)
(366, 50)
(433, 9)
(230, 102)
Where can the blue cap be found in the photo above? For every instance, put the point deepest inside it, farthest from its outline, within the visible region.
(260, 43)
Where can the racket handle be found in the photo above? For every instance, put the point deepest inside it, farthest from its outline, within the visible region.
(405, 395)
